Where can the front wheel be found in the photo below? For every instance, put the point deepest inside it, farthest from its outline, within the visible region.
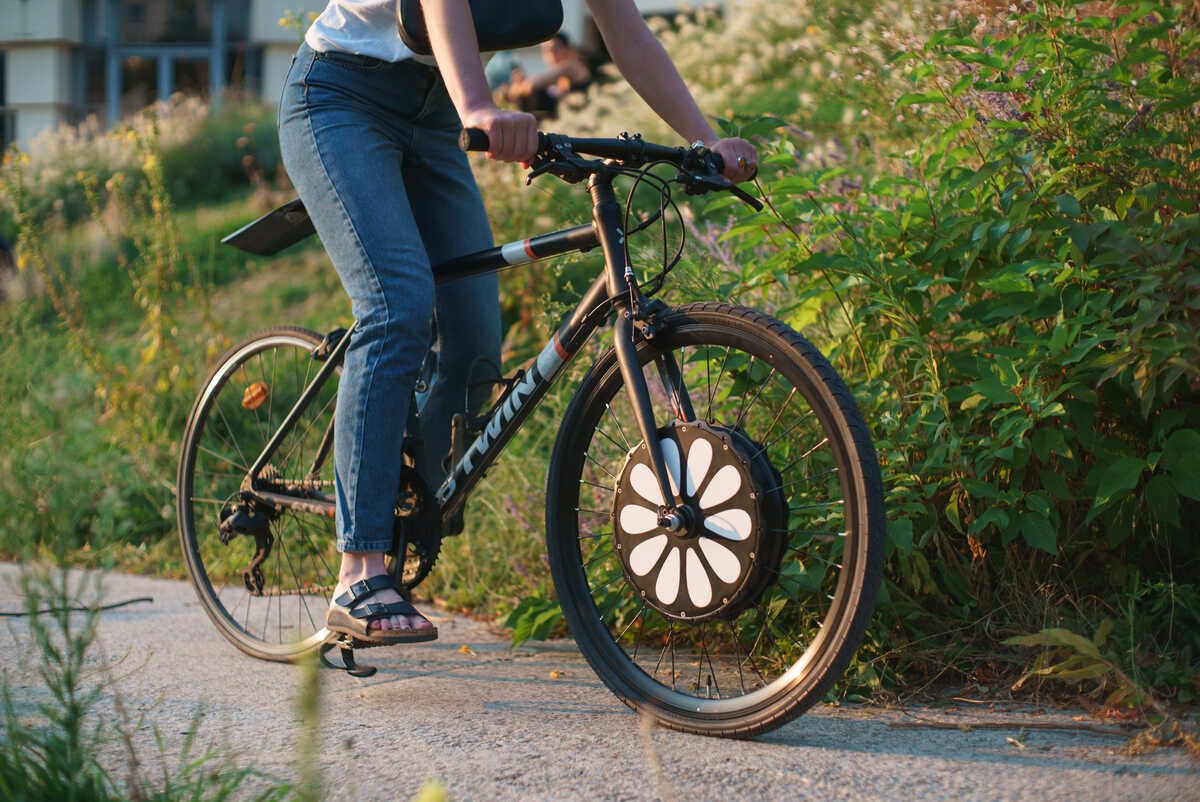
(743, 618)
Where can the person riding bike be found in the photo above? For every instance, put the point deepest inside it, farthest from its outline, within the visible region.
(368, 136)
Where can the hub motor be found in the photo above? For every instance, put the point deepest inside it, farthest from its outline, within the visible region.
(734, 532)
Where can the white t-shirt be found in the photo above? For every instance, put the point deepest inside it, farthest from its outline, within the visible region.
(365, 27)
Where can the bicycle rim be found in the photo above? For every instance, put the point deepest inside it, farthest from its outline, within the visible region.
(769, 653)
(278, 614)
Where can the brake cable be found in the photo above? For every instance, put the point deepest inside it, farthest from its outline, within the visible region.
(639, 175)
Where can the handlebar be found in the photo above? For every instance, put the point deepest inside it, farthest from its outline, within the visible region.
(474, 139)
(626, 149)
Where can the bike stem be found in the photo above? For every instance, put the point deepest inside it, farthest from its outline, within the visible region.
(606, 214)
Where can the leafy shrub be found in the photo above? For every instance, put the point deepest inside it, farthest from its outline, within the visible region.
(1015, 299)
(205, 153)
(227, 147)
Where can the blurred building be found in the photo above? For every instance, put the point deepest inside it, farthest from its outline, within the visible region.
(63, 60)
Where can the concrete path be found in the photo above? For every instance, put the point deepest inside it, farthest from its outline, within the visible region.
(535, 724)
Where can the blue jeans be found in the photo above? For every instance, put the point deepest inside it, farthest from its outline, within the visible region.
(371, 148)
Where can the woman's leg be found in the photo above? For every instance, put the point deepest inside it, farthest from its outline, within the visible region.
(450, 214)
(344, 155)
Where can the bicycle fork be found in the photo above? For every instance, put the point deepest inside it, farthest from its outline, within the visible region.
(629, 304)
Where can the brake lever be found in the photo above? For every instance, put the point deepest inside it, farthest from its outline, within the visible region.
(563, 163)
(745, 197)
(538, 167)
(707, 183)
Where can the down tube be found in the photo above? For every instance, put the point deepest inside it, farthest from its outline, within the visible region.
(525, 394)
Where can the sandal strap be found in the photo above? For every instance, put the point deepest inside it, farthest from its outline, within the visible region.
(374, 611)
(363, 589)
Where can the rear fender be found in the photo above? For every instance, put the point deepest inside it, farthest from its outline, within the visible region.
(274, 231)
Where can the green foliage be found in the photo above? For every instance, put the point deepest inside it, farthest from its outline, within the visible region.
(230, 148)
(992, 231)
(1014, 297)
(1072, 658)
(137, 386)
(205, 154)
(533, 619)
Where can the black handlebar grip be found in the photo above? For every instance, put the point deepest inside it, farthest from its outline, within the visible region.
(473, 139)
(719, 164)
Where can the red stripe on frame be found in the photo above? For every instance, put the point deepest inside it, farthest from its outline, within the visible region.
(528, 250)
(562, 352)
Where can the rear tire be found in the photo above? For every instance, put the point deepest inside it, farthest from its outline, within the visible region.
(772, 654)
(226, 432)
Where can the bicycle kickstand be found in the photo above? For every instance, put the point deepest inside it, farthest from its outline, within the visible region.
(345, 645)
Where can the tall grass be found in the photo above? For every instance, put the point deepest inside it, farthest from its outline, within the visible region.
(51, 749)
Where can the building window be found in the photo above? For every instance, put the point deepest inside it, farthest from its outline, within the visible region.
(156, 48)
(174, 21)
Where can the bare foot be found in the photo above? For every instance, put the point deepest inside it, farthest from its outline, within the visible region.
(357, 566)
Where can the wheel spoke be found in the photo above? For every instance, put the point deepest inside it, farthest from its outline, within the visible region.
(742, 413)
(713, 394)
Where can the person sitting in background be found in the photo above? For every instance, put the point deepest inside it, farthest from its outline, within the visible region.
(498, 70)
(568, 72)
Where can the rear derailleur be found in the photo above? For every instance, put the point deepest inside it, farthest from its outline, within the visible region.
(248, 518)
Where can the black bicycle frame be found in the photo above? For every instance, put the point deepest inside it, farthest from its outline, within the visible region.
(609, 291)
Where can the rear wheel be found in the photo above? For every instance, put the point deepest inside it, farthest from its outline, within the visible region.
(744, 618)
(264, 578)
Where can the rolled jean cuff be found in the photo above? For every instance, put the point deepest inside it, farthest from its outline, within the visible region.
(356, 545)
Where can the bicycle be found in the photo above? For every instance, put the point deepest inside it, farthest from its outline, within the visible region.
(714, 507)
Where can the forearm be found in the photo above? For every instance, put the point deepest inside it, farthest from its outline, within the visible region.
(456, 48)
(645, 64)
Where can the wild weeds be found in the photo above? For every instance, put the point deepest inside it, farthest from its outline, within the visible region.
(1021, 283)
(51, 749)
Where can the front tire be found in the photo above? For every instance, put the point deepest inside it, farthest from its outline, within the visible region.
(750, 663)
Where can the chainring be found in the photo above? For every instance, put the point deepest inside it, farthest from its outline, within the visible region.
(418, 526)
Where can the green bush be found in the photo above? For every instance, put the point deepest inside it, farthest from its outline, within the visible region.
(206, 155)
(228, 147)
(1015, 299)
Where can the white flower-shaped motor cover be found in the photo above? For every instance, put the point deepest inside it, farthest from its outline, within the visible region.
(690, 573)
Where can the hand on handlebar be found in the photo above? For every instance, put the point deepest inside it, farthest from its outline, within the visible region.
(512, 136)
(741, 161)
(698, 173)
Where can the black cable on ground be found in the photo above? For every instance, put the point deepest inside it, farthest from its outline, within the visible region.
(112, 606)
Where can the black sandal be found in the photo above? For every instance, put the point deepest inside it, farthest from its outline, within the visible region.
(347, 616)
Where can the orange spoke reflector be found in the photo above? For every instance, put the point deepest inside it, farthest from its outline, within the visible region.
(255, 395)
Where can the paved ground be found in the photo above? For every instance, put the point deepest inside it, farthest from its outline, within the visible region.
(493, 724)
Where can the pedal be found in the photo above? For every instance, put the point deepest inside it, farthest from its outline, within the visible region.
(345, 646)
